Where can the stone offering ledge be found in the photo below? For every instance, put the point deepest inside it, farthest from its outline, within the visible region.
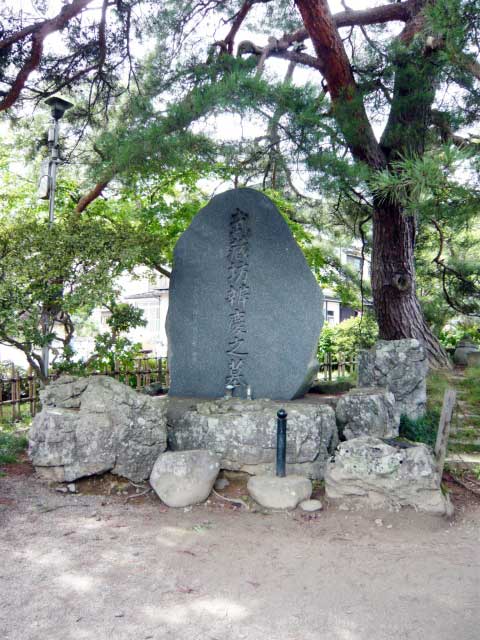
(243, 433)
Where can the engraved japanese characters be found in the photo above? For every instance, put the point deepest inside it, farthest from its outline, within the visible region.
(237, 297)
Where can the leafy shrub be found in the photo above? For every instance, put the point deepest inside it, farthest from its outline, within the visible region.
(11, 444)
(348, 337)
(451, 335)
(111, 348)
(422, 429)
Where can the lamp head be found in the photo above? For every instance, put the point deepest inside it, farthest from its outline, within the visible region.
(58, 106)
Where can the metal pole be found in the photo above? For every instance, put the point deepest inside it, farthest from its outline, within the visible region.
(281, 442)
(52, 170)
(52, 178)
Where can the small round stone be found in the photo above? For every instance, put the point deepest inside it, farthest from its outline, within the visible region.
(311, 505)
(274, 492)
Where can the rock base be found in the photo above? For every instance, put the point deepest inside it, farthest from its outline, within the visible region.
(279, 493)
(367, 472)
(92, 425)
(243, 433)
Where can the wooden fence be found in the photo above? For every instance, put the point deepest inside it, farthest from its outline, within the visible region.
(332, 367)
(20, 392)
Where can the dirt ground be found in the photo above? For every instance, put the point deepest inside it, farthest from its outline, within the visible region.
(92, 567)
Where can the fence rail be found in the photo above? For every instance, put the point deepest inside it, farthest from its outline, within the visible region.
(18, 391)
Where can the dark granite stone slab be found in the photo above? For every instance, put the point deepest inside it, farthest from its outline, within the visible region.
(244, 307)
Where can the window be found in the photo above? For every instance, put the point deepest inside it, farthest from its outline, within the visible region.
(354, 261)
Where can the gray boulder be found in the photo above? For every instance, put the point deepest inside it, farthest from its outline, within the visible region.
(243, 433)
(279, 493)
(463, 351)
(400, 366)
(368, 412)
(182, 478)
(92, 425)
(368, 472)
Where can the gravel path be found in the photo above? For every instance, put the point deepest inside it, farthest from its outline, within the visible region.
(85, 567)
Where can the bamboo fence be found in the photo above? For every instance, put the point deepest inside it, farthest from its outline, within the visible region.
(18, 392)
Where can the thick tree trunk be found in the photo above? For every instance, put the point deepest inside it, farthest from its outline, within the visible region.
(393, 282)
(393, 270)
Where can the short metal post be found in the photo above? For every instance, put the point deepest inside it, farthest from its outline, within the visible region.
(281, 442)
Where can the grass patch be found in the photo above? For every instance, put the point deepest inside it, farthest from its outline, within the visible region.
(463, 448)
(13, 439)
(338, 385)
(11, 445)
(422, 429)
(470, 387)
(437, 383)
(467, 434)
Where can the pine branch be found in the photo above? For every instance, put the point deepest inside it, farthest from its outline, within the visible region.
(39, 33)
(346, 99)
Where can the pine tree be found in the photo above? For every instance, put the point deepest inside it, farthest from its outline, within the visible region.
(410, 67)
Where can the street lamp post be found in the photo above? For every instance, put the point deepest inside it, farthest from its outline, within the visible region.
(58, 107)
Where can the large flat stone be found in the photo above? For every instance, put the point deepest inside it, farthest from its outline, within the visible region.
(244, 307)
(243, 433)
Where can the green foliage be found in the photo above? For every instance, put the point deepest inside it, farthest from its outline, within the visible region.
(470, 387)
(123, 317)
(150, 129)
(451, 335)
(437, 383)
(413, 179)
(6, 370)
(422, 429)
(114, 351)
(50, 275)
(348, 337)
(433, 188)
(55, 273)
(111, 350)
(12, 443)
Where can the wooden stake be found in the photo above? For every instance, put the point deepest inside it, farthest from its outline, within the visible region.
(443, 432)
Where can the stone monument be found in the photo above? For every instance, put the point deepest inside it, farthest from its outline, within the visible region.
(245, 311)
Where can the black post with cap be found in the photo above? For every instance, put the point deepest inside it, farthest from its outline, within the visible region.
(281, 442)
